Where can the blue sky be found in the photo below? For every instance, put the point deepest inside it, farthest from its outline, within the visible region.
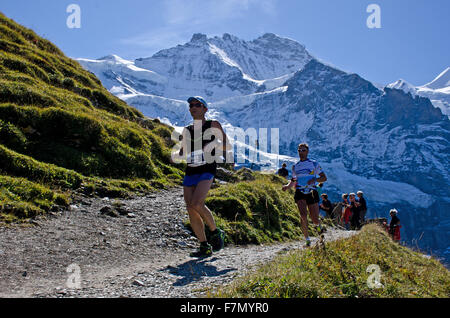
(411, 43)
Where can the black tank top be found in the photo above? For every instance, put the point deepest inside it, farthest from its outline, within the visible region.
(207, 167)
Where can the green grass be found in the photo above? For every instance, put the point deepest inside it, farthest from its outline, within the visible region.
(22, 199)
(340, 269)
(62, 130)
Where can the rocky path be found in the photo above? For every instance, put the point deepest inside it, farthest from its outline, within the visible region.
(138, 249)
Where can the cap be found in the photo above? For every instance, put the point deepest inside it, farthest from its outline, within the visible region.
(198, 99)
(359, 192)
(393, 211)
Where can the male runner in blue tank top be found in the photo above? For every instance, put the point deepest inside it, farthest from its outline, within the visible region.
(200, 173)
(305, 174)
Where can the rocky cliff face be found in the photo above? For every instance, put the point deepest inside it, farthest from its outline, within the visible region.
(438, 90)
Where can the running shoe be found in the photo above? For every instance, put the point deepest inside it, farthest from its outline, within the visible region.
(205, 250)
(217, 240)
(308, 243)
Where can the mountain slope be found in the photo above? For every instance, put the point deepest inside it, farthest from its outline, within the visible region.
(391, 144)
(365, 139)
(345, 117)
(60, 128)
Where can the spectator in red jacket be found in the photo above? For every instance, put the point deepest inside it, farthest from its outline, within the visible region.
(346, 212)
(394, 226)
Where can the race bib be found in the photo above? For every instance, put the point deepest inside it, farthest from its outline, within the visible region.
(197, 158)
(303, 180)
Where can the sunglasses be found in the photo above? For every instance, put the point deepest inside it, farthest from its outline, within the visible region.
(302, 150)
(195, 105)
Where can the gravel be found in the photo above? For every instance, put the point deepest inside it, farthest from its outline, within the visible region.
(129, 248)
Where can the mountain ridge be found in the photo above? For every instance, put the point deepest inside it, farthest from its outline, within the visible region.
(438, 90)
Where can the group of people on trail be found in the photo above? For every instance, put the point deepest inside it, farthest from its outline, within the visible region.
(307, 178)
(351, 213)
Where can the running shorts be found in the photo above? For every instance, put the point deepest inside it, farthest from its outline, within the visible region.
(192, 181)
(310, 197)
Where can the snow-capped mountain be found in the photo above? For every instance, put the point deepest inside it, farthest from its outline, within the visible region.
(390, 142)
(264, 58)
(215, 68)
(442, 81)
(438, 90)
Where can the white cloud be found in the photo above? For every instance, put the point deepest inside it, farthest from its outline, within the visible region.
(158, 38)
(207, 11)
(182, 18)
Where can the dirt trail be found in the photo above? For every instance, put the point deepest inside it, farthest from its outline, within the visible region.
(88, 251)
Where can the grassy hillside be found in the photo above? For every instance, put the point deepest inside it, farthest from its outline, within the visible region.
(343, 269)
(60, 131)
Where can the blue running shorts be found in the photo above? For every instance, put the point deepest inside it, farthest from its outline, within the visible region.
(191, 181)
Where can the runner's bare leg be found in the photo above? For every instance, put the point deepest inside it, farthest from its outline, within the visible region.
(198, 212)
(301, 204)
(198, 203)
(314, 213)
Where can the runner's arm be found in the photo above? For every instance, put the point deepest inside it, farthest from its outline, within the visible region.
(322, 178)
(292, 182)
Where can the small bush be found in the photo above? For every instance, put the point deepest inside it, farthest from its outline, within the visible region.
(68, 83)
